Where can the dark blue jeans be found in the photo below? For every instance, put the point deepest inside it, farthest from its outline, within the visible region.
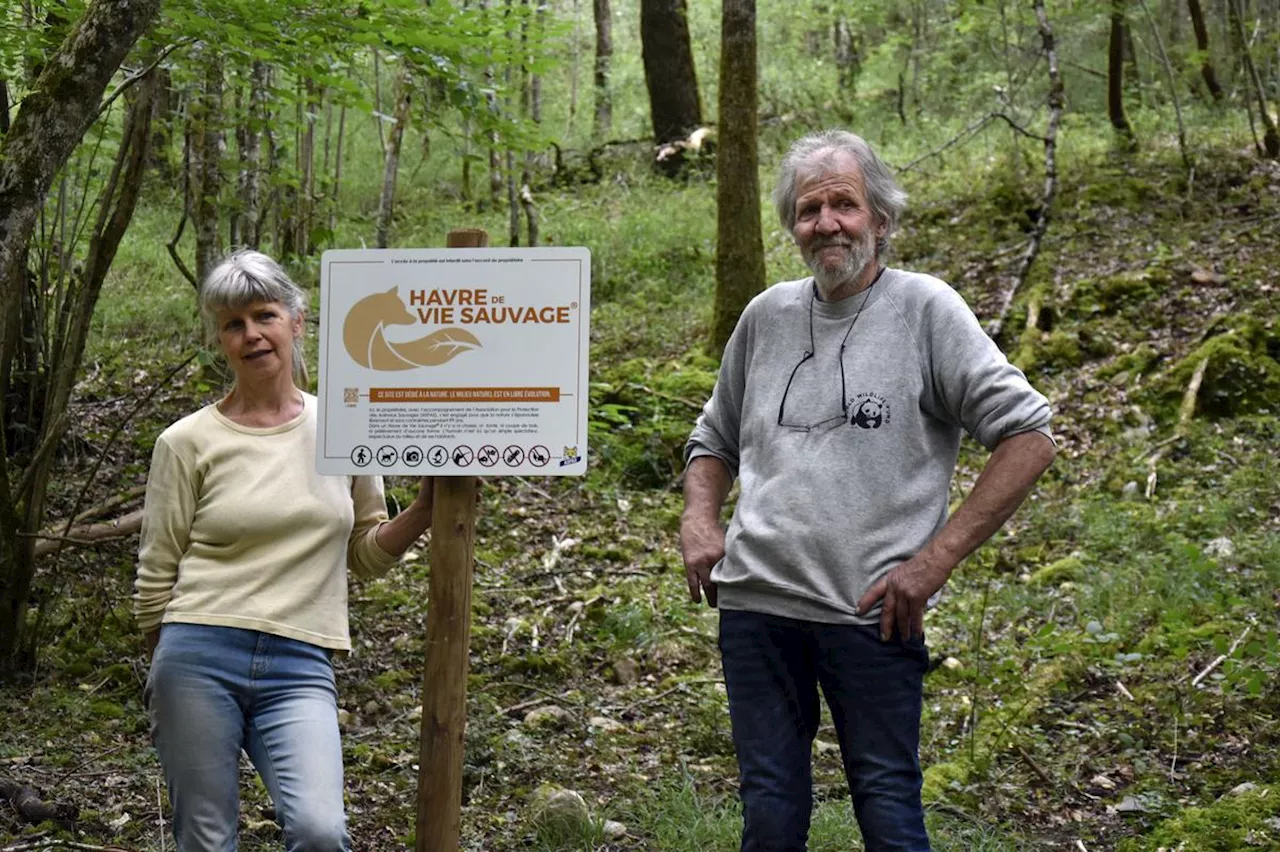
(773, 667)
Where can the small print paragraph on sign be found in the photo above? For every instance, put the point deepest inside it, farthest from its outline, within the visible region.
(464, 394)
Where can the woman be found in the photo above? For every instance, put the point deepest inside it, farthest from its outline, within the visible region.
(241, 589)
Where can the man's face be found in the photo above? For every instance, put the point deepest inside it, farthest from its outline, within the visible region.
(835, 228)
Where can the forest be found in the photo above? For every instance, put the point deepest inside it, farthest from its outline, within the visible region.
(1099, 180)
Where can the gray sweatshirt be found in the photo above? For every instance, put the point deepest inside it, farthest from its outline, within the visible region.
(824, 513)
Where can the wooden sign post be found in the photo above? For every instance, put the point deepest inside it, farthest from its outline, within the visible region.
(444, 685)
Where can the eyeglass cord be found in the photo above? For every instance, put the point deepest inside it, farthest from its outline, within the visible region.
(813, 347)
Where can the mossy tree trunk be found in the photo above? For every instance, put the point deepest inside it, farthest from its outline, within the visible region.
(604, 56)
(1115, 72)
(739, 245)
(55, 114)
(1202, 46)
(669, 75)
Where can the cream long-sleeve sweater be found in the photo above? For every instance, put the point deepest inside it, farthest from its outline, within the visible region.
(240, 531)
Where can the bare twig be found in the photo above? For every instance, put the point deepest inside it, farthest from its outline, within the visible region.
(973, 128)
(160, 813)
(115, 433)
(1221, 658)
(138, 75)
(61, 779)
(1157, 446)
(1123, 690)
(679, 687)
(1040, 773)
(53, 843)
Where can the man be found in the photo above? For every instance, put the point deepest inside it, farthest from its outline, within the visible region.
(839, 408)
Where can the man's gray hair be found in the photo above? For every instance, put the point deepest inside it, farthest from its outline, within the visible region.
(886, 198)
(242, 278)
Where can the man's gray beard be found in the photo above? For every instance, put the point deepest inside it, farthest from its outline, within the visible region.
(855, 262)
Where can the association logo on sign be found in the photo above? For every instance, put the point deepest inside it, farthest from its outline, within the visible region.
(570, 456)
(367, 344)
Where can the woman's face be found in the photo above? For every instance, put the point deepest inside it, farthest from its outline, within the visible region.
(257, 339)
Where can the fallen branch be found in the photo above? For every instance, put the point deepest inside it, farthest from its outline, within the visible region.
(1221, 658)
(87, 534)
(1040, 773)
(1050, 172)
(51, 843)
(113, 502)
(1188, 408)
(31, 808)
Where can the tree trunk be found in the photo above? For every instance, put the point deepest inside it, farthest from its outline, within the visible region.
(847, 54)
(532, 103)
(739, 244)
(206, 165)
(1115, 72)
(669, 75)
(392, 163)
(306, 167)
(337, 169)
(55, 114)
(1270, 136)
(1202, 46)
(249, 184)
(604, 55)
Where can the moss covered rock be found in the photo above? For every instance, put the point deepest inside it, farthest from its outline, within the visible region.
(1242, 375)
(1069, 568)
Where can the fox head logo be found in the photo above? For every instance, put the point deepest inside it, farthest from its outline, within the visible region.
(364, 338)
(571, 452)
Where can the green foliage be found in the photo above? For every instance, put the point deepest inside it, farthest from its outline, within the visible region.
(1242, 375)
(1239, 821)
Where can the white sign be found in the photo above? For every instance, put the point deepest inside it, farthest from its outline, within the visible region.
(454, 361)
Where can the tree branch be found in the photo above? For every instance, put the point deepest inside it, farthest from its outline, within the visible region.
(138, 75)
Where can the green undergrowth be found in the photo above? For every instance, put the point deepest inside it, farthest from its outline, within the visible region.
(1066, 647)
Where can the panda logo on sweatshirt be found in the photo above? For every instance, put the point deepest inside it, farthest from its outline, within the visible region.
(870, 411)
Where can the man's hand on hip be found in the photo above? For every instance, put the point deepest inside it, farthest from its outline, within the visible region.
(903, 593)
(702, 546)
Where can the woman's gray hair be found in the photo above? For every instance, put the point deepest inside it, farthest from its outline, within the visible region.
(242, 278)
(886, 198)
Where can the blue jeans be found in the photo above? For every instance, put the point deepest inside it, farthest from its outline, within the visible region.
(216, 690)
(773, 667)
